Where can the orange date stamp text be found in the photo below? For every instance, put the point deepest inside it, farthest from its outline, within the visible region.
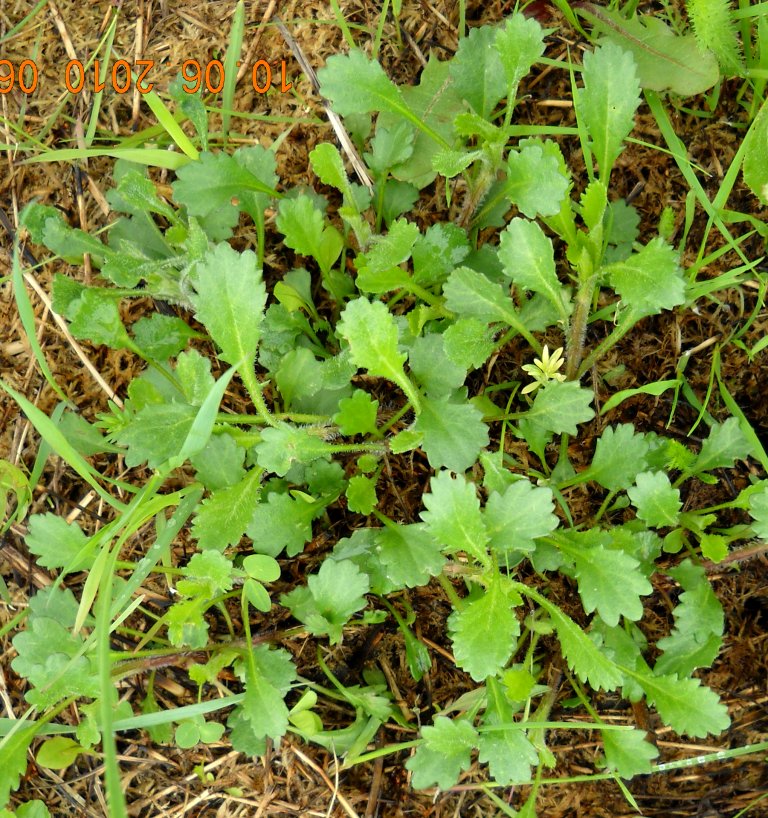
(122, 77)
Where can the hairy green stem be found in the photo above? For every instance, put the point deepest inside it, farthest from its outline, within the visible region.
(628, 321)
(450, 592)
(578, 328)
(255, 391)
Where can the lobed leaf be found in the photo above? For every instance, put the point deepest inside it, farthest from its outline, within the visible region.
(506, 749)
(698, 633)
(361, 494)
(529, 260)
(516, 517)
(484, 630)
(584, 657)
(409, 555)
(519, 44)
(222, 518)
(534, 181)
(372, 334)
(608, 101)
(470, 293)
(230, 288)
(15, 748)
(304, 230)
(558, 407)
(755, 167)
(58, 544)
(597, 570)
(657, 502)
(356, 85)
(156, 433)
(685, 704)
(478, 72)
(725, 444)
(620, 455)
(665, 61)
(453, 517)
(650, 280)
(281, 523)
(454, 433)
(329, 599)
(444, 752)
(627, 752)
(357, 414)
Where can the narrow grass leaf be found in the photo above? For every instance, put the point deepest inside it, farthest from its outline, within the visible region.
(50, 432)
(153, 157)
(234, 47)
(202, 426)
(27, 316)
(170, 125)
(656, 388)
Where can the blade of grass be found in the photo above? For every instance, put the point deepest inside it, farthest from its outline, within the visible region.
(154, 157)
(115, 796)
(169, 124)
(108, 40)
(342, 24)
(27, 315)
(23, 22)
(657, 388)
(160, 546)
(380, 30)
(681, 159)
(230, 66)
(758, 451)
(50, 432)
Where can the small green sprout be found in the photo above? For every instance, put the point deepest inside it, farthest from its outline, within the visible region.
(545, 369)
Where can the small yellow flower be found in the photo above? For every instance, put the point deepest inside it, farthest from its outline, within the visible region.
(545, 369)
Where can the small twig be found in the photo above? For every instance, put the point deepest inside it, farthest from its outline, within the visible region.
(371, 807)
(346, 806)
(341, 132)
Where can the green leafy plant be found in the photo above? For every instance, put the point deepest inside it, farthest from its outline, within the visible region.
(377, 306)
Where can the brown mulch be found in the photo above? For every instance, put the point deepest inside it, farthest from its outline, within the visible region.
(295, 779)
